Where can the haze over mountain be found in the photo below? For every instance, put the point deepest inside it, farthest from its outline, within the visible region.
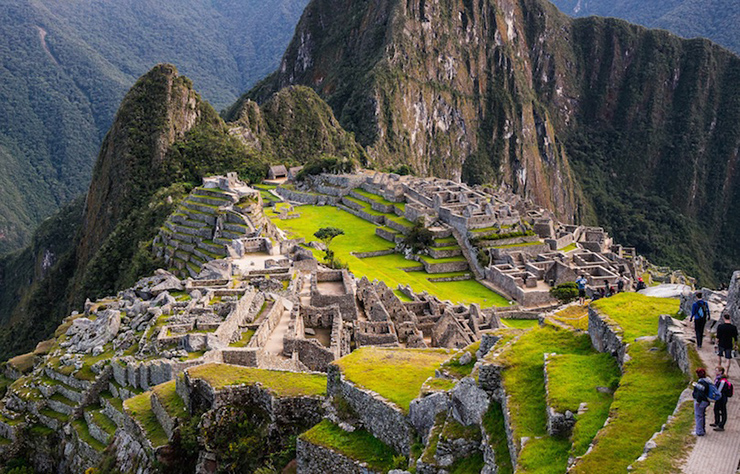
(66, 65)
(716, 19)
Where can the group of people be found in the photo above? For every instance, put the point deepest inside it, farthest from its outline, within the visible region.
(720, 389)
(601, 292)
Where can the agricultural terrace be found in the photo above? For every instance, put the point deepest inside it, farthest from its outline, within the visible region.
(359, 236)
(396, 374)
(282, 384)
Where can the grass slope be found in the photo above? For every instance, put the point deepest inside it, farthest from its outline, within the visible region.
(358, 445)
(140, 408)
(285, 384)
(396, 374)
(636, 314)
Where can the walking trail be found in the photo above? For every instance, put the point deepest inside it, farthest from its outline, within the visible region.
(717, 452)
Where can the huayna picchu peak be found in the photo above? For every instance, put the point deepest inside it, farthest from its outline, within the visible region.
(443, 237)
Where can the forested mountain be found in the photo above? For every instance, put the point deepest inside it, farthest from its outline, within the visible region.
(65, 66)
(717, 20)
(603, 121)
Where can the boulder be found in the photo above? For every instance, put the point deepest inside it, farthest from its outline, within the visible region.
(469, 402)
(733, 299)
(422, 411)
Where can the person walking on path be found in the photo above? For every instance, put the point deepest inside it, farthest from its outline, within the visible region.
(720, 406)
(699, 314)
(581, 284)
(726, 334)
(701, 400)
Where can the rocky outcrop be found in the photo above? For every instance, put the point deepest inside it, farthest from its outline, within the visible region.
(733, 299)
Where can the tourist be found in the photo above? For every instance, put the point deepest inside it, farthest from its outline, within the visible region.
(701, 400)
(620, 284)
(726, 334)
(720, 406)
(640, 284)
(581, 284)
(607, 289)
(700, 315)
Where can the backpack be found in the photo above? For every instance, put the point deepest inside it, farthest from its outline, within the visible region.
(713, 394)
(701, 312)
(727, 390)
(700, 391)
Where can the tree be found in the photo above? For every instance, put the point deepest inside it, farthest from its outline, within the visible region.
(420, 238)
(327, 234)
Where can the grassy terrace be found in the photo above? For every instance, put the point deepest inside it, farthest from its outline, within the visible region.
(673, 445)
(494, 424)
(170, 400)
(140, 408)
(358, 445)
(84, 433)
(396, 374)
(282, 384)
(568, 392)
(575, 316)
(360, 237)
(636, 314)
(244, 339)
(524, 382)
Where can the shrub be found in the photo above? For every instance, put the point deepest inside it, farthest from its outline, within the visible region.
(565, 292)
(327, 164)
(419, 239)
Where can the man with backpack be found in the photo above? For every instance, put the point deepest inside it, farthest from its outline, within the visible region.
(726, 334)
(724, 387)
(700, 315)
(704, 392)
(581, 284)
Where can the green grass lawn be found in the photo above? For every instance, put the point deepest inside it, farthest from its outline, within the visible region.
(360, 237)
(636, 314)
(170, 400)
(495, 426)
(520, 323)
(524, 382)
(568, 248)
(358, 445)
(140, 408)
(573, 380)
(673, 445)
(396, 374)
(244, 339)
(648, 392)
(285, 384)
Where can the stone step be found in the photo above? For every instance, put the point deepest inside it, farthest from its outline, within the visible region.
(207, 218)
(215, 193)
(85, 436)
(209, 200)
(113, 408)
(200, 209)
(99, 425)
(48, 387)
(61, 404)
(52, 419)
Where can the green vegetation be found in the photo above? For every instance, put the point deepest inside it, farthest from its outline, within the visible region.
(673, 445)
(636, 314)
(283, 384)
(244, 339)
(358, 445)
(140, 408)
(396, 374)
(386, 268)
(568, 248)
(520, 323)
(495, 426)
(575, 316)
(453, 366)
(572, 380)
(23, 363)
(623, 439)
(170, 400)
(524, 382)
(565, 292)
(83, 431)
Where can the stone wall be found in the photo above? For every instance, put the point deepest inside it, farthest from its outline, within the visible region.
(558, 424)
(230, 329)
(271, 319)
(168, 423)
(381, 418)
(606, 335)
(315, 459)
(671, 332)
(446, 267)
(377, 253)
(733, 299)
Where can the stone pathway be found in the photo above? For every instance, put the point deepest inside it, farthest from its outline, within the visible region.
(717, 452)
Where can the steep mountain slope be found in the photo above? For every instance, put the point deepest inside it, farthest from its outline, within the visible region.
(716, 20)
(515, 92)
(164, 139)
(67, 64)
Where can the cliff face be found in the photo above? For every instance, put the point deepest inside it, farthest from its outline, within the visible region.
(515, 92)
(446, 87)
